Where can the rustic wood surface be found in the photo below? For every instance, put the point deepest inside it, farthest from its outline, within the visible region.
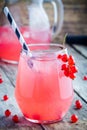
(75, 22)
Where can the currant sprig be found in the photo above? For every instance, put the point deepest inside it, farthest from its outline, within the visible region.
(68, 67)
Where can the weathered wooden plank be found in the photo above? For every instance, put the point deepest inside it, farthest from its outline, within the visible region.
(7, 88)
(82, 49)
(1, 5)
(10, 71)
(81, 113)
(75, 21)
(72, 12)
(75, 2)
(81, 125)
(22, 128)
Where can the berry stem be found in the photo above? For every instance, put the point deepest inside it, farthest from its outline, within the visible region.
(64, 40)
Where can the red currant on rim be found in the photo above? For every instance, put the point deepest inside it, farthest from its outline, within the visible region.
(73, 69)
(71, 60)
(72, 75)
(78, 104)
(59, 56)
(74, 118)
(7, 113)
(64, 58)
(15, 118)
(64, 67)
(5, 97)
(69, 67)
(66, 72)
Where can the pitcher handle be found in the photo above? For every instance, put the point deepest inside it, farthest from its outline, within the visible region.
(58, 16)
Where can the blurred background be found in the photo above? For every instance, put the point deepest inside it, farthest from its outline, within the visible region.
(75, 18)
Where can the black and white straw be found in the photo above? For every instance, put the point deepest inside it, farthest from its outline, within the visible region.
(16, 30)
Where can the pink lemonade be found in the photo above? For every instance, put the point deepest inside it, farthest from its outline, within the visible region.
(10, 47)
(43, 93)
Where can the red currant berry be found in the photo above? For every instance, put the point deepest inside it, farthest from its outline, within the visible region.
(59, 56)
(71, 60)
(5, 97)
(85, 78)
(69, 68)
(74, 118)
(1, 81)
(15, 118)
(78, 104)
(66, 73)
(7, 113)
(64, 58)
(64, 67)
(73, 69)
(72, 75)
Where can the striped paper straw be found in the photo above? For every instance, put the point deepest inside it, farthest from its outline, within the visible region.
(16, 30)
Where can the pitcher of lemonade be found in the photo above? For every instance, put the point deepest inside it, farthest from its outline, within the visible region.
(33, 22)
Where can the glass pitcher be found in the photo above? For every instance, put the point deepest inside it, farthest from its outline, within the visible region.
(33, 23)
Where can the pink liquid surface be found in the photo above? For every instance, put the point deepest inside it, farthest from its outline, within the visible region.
(43, 93)
(10, 47)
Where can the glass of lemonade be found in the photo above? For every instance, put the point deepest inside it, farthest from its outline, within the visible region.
(43, 93)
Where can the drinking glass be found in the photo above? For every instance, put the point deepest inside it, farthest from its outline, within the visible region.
(43, 93)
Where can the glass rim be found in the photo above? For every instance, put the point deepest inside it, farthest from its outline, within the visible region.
(39, 53)
(42, 44)
(62, 47)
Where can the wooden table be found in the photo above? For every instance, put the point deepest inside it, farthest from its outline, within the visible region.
(8, 73)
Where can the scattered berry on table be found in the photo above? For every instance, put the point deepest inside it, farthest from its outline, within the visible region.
(85, 78)
(5, 97)
(7, 113)
(78, 104)
(1, 80)
(15, 118)
(74, 118)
